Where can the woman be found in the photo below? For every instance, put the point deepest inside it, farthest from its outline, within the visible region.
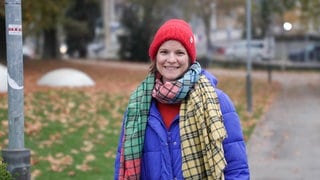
(178, 125)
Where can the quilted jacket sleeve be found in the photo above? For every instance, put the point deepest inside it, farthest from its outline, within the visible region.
(234, 145)
(117, 160)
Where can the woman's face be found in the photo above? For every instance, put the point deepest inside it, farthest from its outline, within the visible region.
(172, 60)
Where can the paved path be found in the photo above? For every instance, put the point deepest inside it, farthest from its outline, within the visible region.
(285, 144)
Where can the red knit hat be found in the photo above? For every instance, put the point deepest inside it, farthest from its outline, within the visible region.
(174, 29)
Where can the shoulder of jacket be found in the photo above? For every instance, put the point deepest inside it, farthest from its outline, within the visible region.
(213, 80)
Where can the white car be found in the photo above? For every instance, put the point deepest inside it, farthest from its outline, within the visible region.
(238, 51)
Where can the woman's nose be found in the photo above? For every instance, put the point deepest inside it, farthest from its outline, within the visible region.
(171, 57)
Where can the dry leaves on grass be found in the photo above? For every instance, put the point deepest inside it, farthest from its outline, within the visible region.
(59, 162)
(55, 138)
(85, 164)
(35, 173)
(79, 123)
(4, 133)
(32, 128)
(109, 154)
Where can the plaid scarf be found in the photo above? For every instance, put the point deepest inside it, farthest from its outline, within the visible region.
(134, 128)
(202, 132)
(176, 91)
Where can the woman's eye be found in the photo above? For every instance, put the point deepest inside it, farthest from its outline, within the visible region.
(181, 53)
(163, 52)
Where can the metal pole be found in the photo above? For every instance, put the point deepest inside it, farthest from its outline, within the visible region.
(249, 61)
(16, 156)
(107, 18)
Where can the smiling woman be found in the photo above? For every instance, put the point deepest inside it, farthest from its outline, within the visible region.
(178, 124)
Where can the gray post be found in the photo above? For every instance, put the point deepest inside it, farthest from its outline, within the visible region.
(249, 61)
(16, 156)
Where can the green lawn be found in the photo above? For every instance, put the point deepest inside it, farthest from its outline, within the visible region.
(73, 134)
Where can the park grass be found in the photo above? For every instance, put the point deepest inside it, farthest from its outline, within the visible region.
(73, 134)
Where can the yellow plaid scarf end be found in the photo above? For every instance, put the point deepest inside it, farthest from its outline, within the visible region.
(202, 132)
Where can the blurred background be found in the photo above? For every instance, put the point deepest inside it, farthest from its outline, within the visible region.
(286, 31)
(74, 133)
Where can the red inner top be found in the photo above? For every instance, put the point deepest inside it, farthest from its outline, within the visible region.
(168, 112)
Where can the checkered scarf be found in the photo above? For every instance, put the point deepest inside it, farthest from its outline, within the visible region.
(134, 129)
(202, 132)
(176, 91)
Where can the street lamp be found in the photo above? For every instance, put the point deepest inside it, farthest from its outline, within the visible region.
(287, 26)
(16, 156)
(249, 61)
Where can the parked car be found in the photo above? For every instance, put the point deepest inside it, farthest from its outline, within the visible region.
(309, 53)
(238, 51)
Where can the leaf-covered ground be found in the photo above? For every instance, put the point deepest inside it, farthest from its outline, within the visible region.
(73, 132)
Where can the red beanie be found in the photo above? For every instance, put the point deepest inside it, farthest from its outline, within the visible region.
(174, 29)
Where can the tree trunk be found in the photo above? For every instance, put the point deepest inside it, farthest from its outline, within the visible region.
(50, 44)
(207, 26)
(3, 52)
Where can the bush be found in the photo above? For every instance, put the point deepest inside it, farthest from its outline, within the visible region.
(4, 174)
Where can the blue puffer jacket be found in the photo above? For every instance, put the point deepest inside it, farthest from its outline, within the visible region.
(162, 154)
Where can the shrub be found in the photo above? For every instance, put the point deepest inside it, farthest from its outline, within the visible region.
(4, 174)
